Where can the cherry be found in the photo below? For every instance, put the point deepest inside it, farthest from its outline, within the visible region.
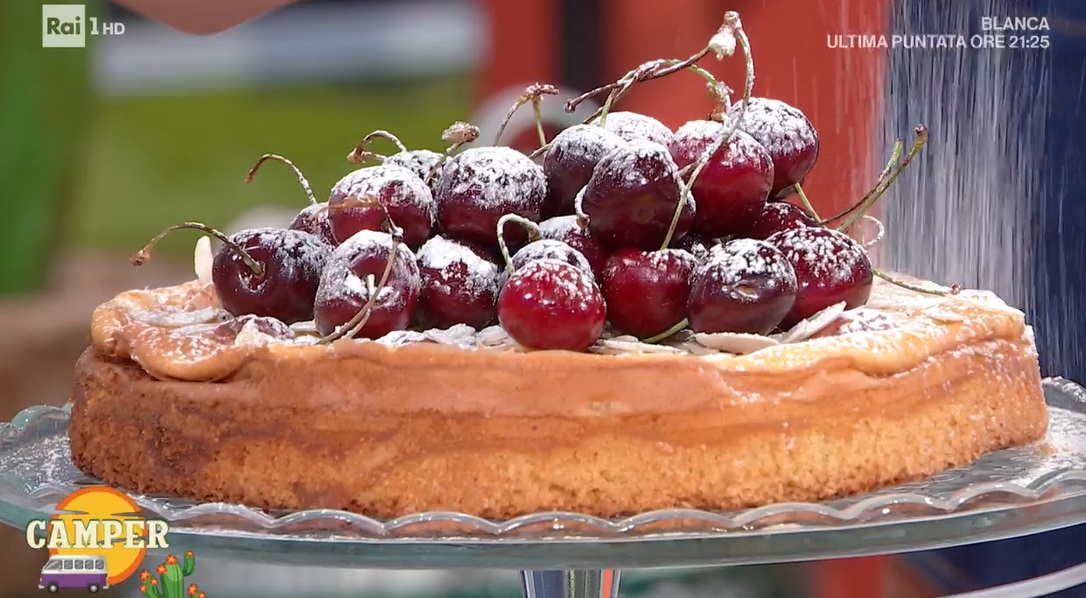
(779, 216)
(788, 136)
(549, 249)
(549, 304)
(459, 285)
(480, 185)
(359, 200)
(568, 230)
(632, 195)
(633, 126)
(746, 286)
(313, 218)
(646, 291)
(732, 188)
(268, 272)
(420, 162)
(353, 276)
(569, 161)
(830, 268)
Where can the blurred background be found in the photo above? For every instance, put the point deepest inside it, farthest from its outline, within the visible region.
(102, 147)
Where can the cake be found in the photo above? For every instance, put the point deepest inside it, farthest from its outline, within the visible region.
(605, 334)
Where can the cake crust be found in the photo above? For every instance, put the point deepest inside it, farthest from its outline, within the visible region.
(391, 430)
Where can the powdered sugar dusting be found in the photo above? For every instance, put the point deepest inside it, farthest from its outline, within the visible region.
(298, 255)
(494, 177)
(450, 261)
(395, 186)
(743, 259)
(586, 143)
(552, 249)
(781, 128)
(420, 162)
(632, 126)
(695, 137)
(570, 283)
(827, 255)
(634, 163)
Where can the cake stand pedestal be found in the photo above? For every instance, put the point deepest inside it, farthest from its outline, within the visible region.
(1014, 492)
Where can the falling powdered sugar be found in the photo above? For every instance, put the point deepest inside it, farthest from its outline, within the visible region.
(632, 126)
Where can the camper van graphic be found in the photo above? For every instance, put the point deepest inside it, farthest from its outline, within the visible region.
(97, 538)
(74, 572)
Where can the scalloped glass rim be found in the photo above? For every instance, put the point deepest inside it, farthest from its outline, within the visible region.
(1002, 480)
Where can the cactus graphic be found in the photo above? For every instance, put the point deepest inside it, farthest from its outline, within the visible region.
(170, 582)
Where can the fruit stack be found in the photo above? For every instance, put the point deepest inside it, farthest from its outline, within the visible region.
(617, 224)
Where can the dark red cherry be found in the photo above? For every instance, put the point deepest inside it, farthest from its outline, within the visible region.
(830, 267)
(746, 286)
(788, 136)
(352, 274)
(568, 230)
(420, 162)
(353, 205)
(633, 126)
(480, 185)
(646, 291)
(549, 304)
(291, 262)
(569, 161)
(459, 285)
(732, 188)
(549, 249)
(313, 219)
(632, 195)
(272, 327)
(779, 216)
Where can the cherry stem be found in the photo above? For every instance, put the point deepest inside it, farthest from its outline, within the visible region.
(144, 254)
(538, 112)
(578, 208)
(806, 202)
(359, 153)
(939, 293)
(297, 173)
(458, 134)
(534, 234)
(644, 72)
(873, 196)
(533, 93)
(667, 333)
(879, 182)
(879, 234)
(735, 27)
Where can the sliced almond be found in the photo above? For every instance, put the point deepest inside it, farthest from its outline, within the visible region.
(812, 325)
(203, 259)
(736, 343)
(615, 346)
(176, 318)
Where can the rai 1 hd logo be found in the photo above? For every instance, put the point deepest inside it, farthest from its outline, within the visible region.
(67, 26)
(98, 538)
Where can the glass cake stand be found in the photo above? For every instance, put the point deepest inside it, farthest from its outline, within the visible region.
(1009, 493)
